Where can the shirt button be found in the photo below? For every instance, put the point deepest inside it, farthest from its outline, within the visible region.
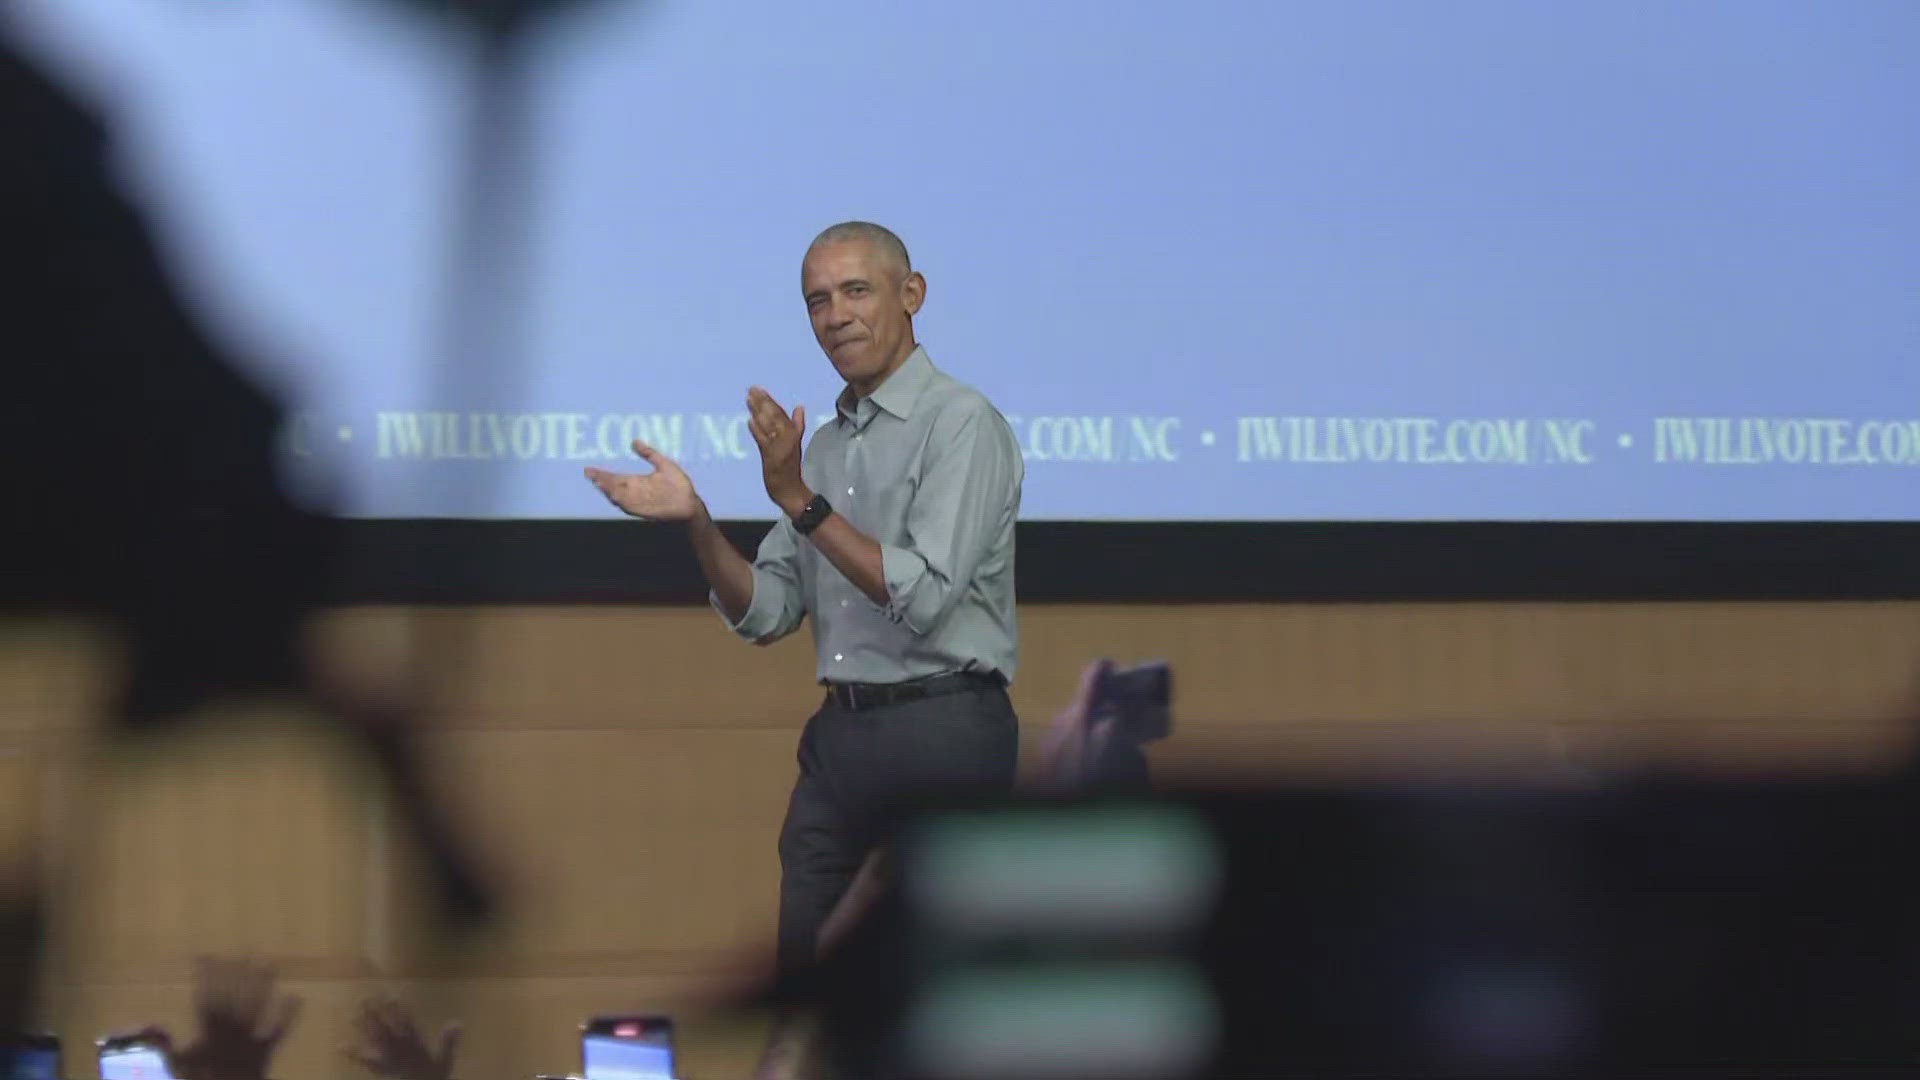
(844, 603)
(849, 491)
(838, 657)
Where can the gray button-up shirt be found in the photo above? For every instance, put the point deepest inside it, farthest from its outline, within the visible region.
(929, 469)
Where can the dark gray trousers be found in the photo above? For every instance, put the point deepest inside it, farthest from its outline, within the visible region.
(862, 772)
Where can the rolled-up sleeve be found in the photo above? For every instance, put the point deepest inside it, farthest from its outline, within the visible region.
(956, 514)
(777, 606)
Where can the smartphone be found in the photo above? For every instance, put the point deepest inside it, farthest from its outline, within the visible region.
(1137, 702)
(33, 1057)
(132, 1057)
(624, 1048)
(1139, 698)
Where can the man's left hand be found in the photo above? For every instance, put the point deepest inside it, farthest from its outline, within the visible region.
(779, 437)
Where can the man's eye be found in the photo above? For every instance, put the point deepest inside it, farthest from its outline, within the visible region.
(857, 290)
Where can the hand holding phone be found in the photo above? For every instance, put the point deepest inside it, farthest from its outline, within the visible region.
(1094, 743)
(1139, 699)
(141, 1055)
(241, 1019)
(32, 1057)
(627, 1048)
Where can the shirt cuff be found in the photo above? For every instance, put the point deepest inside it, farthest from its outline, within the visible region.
(902, 571)
(762, 614)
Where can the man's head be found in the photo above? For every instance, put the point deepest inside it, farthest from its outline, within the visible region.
(862, 293)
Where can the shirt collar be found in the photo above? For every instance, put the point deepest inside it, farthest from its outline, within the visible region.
(898, 394)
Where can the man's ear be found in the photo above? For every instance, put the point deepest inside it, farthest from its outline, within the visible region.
(913, 292)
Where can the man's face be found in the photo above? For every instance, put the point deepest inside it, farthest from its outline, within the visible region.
(861, 304)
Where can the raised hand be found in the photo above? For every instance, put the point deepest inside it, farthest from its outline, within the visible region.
(241, 1023)
(779, 437)
(1074, 741)
(390, 1044)
(665, 494)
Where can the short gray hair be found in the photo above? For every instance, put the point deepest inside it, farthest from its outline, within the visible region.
(879, 236)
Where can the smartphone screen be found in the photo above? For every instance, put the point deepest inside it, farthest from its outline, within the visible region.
(626, 1048)
(136, 1062)
(33, 1059)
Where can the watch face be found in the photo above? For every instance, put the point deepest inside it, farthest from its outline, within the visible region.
(812, 514)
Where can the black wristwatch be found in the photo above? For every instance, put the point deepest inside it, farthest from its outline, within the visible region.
(812, 514)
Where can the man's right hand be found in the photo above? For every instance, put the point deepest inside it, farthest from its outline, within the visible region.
(665, 494)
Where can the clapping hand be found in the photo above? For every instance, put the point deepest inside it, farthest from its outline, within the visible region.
(779, 436)
(665, 494)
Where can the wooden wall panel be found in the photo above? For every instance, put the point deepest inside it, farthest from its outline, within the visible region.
(1559, 664)
(628, 768)
(630, 849)
(22, 812)
(545, 668)
(246, 834)
(606, 666)
(54, 675)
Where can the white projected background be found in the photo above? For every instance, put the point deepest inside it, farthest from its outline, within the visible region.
(1221, 259)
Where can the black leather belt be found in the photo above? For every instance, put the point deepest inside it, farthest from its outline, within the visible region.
(856, 696)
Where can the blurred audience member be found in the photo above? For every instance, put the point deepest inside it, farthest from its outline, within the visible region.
(242, 1021)
(389, 1044)
(142, 470)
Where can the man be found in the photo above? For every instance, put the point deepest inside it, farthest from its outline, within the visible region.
(896, 536)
